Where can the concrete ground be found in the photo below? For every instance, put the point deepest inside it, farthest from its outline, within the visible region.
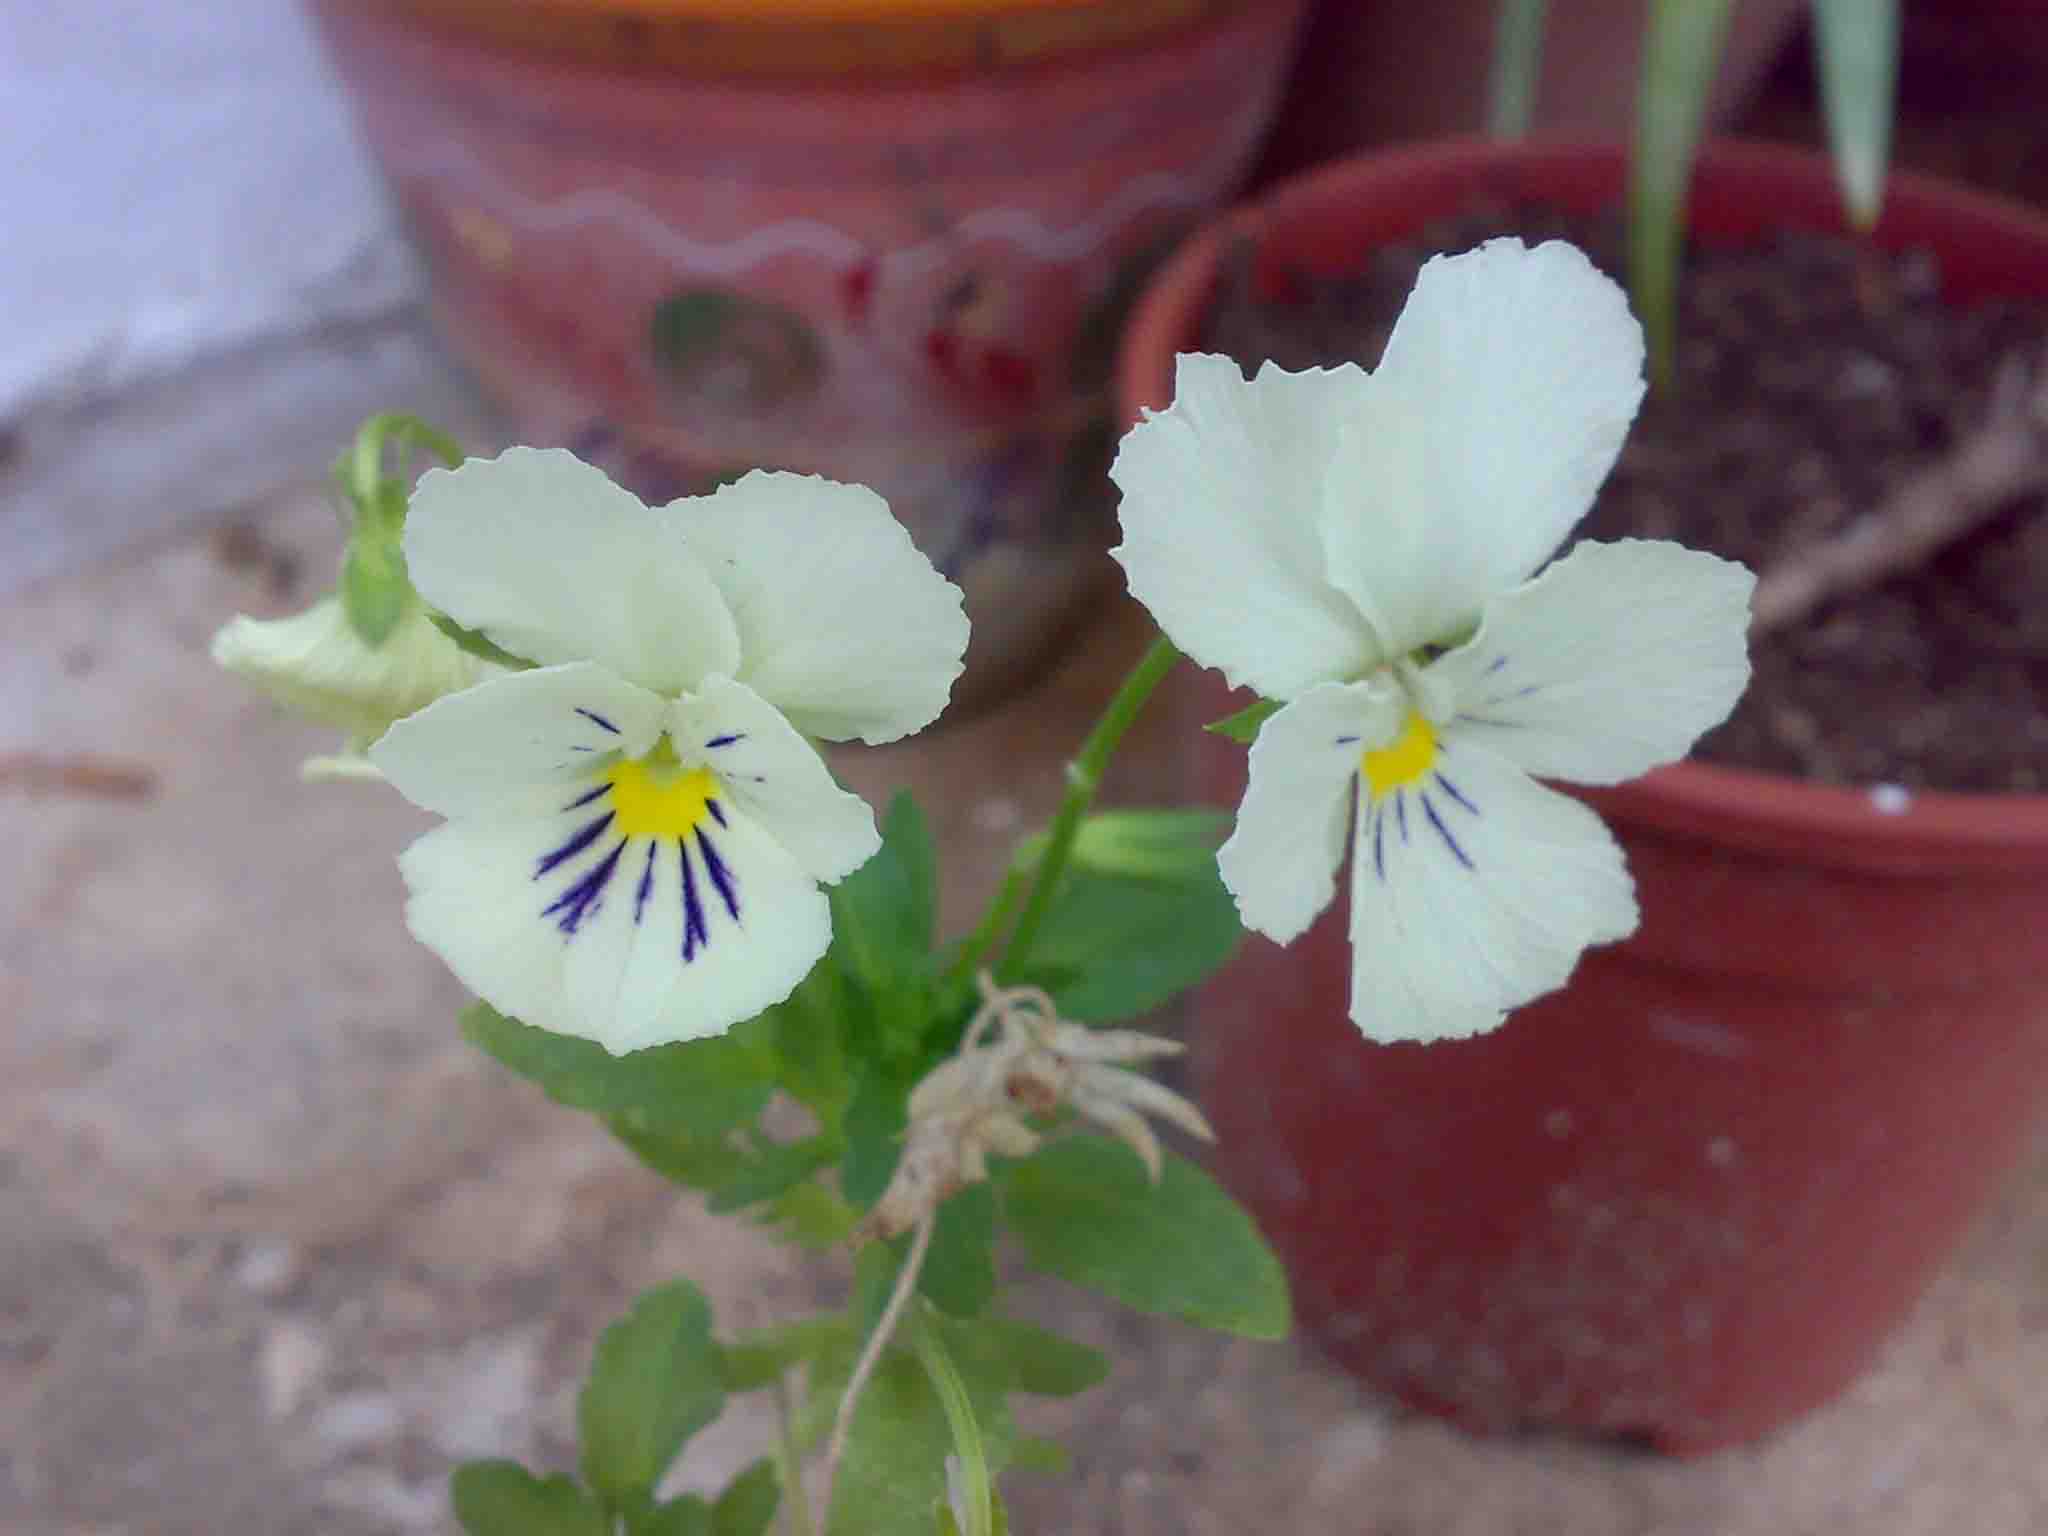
(276, 1248)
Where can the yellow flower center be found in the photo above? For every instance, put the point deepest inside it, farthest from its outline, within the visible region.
(654, 796)
(1401, 761)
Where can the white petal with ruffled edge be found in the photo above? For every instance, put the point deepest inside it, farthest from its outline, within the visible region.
(1614, 660)
(843, 624)
(1474, 889)
(631, 941)
(1497, 409)
(775, 776)
(1280, 862)
(555, 563)
(517, 740)
(1220, 513)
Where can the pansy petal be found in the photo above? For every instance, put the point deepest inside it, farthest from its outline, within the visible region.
(1497, 409)
(627, 940)
(1610, 662)
(517, 738)
(1280, 862)
(1220, 514)
(843, 624)
(774, 776)
(555, 563)
(1473, 890)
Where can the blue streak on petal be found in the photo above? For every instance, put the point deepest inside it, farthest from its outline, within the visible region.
(1452, 790)
(1345, 741)
(726, 740)
(1494, 666)
(596, 719)
(694, 932)
(717, 811)
(1444, 832)
(721, 877)
(1401, 813)
(579, 803)
(577, 842)
(1379, 853)
(646, 884)
(586, 895)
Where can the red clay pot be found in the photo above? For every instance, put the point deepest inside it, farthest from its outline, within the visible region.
(1685, 1199)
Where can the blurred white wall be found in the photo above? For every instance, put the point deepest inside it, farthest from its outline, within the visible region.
(202, 288)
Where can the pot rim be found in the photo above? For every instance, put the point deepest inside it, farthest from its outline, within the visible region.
(1756, 811)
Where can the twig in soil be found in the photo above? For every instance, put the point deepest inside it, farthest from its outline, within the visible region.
(842, 1422)
(2004, 458)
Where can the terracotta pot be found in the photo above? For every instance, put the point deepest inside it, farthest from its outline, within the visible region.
(888, 241)
(1686, 1198)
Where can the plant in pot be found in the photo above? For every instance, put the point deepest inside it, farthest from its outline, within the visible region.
(1684, 1199)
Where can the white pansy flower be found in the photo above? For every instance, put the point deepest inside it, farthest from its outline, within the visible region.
(1363, 547)
(637, 828)
(315, 664)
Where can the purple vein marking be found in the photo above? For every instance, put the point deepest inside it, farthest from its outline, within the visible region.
(1345, 741)
(1497, 663)
(717, 811)
(726, 740)
(586, 895)
(1379, 853)
(596, 719)
(578, 804)
(694, 932)
(579, 841)
(721, 877)
(1452, 790)
(1401, 814)
(646, 884)
(1444, 832)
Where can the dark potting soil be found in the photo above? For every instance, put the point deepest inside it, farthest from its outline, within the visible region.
(1815, 376)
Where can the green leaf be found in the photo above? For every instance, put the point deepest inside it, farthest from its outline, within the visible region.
(703, 1086)
(1027, 1358)
(1114, 947)
(1681, 50)
(748, 1503)
(698, 1162)
(502, 1498)
(883, 913)
(873, 1125)
(686, 1515)
(478, 644)
(1517, 66)
(811, 1216)
(806, 1039)
(1243, 727)
(1085, 1211)
(775, 1169)
(374, 587)
(1858, 42)
(657, 1379)
(894, 1472)
(760, 1356)
(959, 1274)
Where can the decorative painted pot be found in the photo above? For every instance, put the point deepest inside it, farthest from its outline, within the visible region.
(888, 241)
(1684, 1199)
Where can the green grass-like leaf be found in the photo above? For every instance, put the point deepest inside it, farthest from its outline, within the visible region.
(1085, 1211)
(1858, 43)
(1517, 66)
(1243, 727)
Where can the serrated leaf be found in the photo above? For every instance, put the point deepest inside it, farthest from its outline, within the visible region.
(656, 1380)
(758, 1357)
(703, 1086)
(749, 1502)
(1243, 727)
(478, 644)
(502, 1498)
(1085, 1211)
(1023, 1357)
(1114, 947)
(959, 1274)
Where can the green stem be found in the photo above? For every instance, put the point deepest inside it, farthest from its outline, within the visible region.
(796, 1509)
(1084, 776)
(945, 1379)
(983, 939)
